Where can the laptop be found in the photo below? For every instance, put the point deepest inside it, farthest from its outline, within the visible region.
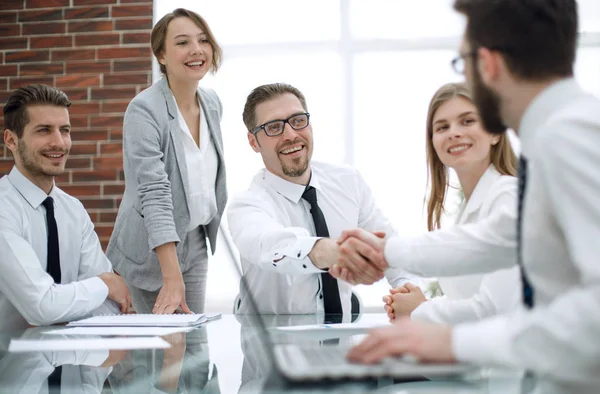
(295, 363)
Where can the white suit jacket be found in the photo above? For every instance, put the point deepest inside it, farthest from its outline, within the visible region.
(473, 297)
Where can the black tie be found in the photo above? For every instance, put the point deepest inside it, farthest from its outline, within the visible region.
(53, 258)
(527, 289)
(331, 292)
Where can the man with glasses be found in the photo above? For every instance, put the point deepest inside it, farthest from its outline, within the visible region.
(286, 224)
(518, 58)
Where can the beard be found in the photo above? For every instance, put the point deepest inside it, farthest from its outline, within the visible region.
(298, 168)
(488, 105)
(34, 168)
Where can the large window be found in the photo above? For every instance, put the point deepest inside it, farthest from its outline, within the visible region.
(368, 70)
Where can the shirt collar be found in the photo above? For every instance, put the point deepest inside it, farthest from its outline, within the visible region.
(291, 191)
(30, 192)
(546, 103)
(481, 189)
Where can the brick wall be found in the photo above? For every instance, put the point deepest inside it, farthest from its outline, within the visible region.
(98, 52)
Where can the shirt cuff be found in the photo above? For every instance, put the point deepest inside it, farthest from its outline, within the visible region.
(96, 358)
(395, 251)
(294, 259)
(97, 289)
(486, 342)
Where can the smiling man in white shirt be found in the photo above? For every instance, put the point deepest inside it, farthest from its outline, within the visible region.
(518, 57)
(286, 224)
(52, 266)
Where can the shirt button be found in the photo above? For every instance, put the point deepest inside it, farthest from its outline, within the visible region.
(275, 265)
(304, 265)
(299, 253)
(320, 296)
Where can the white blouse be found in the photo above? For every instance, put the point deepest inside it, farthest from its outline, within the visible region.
(202, 165)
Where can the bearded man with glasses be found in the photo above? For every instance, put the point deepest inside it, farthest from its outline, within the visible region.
(287, 223)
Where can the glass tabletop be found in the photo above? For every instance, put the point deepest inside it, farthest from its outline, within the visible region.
(228, 355)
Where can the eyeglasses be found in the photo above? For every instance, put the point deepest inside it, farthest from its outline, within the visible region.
(275, 127)
(458, 63)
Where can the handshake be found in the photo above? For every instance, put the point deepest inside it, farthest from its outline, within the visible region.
(356, 257)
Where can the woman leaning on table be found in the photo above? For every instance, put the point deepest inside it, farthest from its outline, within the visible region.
(175, 189)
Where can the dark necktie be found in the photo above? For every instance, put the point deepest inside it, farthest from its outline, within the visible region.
(53, 257)
(331, 292)
(527, 289)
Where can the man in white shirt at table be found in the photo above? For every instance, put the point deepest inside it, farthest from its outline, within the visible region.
(518, 57)
(286, 250)
(52, 266)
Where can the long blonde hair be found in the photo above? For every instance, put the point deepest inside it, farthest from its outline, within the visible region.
(501, 155)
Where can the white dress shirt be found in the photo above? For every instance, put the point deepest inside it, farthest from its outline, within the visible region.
(473, 297)
(202, 164)
(273, 229)
(560, 336)
(27, 292)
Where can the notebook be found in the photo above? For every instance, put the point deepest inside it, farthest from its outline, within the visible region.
(145, 320)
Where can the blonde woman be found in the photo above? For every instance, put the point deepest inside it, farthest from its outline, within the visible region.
(175, 190)
(486, 167)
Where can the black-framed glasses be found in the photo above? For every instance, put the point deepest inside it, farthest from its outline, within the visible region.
(275, 127)
(458, 63)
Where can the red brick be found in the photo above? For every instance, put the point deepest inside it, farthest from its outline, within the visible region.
(114, 107)
(111, 148)
(91, 2)
(106, 121)
(74, 67)
(134, 1)
(97, 39)
(133, 65)
(101, 163)
(124, 53)
(94, 176)
(84, 148)
(98, 203)
(44, 28)
(64, 178)
(8, 70)
(19, 82)
(3, 83)
(79, 121)
(4, 96)
(79, 81)
(84, 108)
(41, 69)
(51, 42)
(81, 190)
(89, 135)
(79, 163)
(13, 43)
(136, 38)
(76, 94)
(112, 93)
(90, 26)
(86, 13)
(108, 217)
(10, 29)
(47, 3)
(73, 54)
(27, 56)
(133, 24)
(127, 79)
(125, 11)
(104, 230)
(45, 15)
(6, 166)
(8, 17)
(115, 135)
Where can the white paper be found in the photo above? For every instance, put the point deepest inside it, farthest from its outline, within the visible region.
(25, 345)
(142, 320)
(360, 326)
(121, 331)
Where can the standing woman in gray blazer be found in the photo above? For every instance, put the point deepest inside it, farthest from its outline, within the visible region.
(175, 190)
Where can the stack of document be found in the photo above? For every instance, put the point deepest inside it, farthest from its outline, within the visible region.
(144, 320)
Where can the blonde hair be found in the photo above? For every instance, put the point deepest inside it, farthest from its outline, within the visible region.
(501, 155)
(159, 36)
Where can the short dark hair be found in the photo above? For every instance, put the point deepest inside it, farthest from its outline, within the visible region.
(15, 110)
(537, 38)
(159, 36)
(265, 93)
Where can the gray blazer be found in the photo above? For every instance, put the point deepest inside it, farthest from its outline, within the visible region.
(154, 210)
